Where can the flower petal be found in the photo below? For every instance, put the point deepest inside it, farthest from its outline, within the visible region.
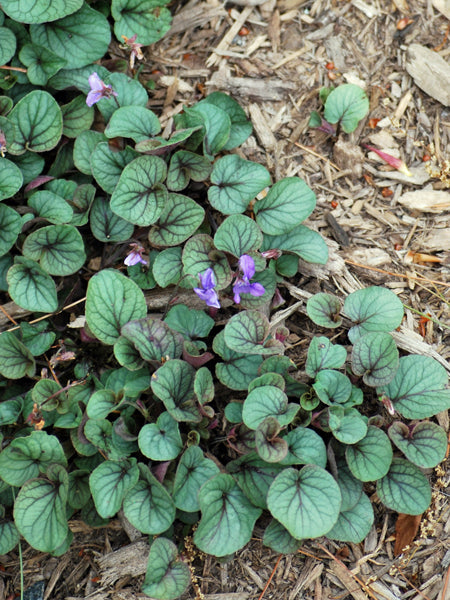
(247, 266)
(207, 279)
(95, 82)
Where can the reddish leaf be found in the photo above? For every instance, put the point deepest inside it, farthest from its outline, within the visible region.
(406, 530)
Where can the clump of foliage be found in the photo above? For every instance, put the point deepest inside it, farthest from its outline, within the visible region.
(345, 105)
(129, 411)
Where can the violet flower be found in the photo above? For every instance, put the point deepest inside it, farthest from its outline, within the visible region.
(242, 284)
(135, 256)
(131, 44)
(207, 291)
(99, 90)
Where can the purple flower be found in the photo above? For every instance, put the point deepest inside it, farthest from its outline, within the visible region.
(135, 256)
(131, 44)
(242, 284)
(99, 90)
(207, 291)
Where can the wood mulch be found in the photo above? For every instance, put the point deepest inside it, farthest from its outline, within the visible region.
(383, 228)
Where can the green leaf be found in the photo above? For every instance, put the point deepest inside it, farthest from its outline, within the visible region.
(148, 505)
(167, 268)
(306, 502)
(7, 45)
(127, 355)
(348, 103)
(185, 165)
(16, 360)
(373, 309)
(6, 105)
(269, 446)
(161, 440)
(351, 488)
(425, 445)
(322, 354)
(39, 11)
(100, 404)
(10, 411)
(42, 63)
(418, 389)
(199, 254)
(78, 492)
(173, 383)
(305, 243)
(36, 338)
(51, 207)
(10, 226)
(38, 121)
(347, 425)
(217, 126)
(111, 301)
(238, 235)
(166, 577)
(287, 265)
(48, 393)
(153, 339)
(180, 218)
(129, 93)
(40, 510)
(110, 482)
(146, 18)
(9, 536)
(405, 488)
(192, 472)
(305, 446)
(254, 476)
(31, 287)
(191, 323)
(80, 38)
(235, 182)
(83, 150)
(268, 401)
(370, 458)
(140, 195)
(159, 145)
(59, 249)
(141, 274)
(278, 538)
(288, 203)
(332, 387)
(354, 524)
(108, 165)
(241, 127)
(323, 309)
(24, 457)
(107, 226)
(375, 357)
(77, 117)
(227, 519)
(237, 370)
(135, 122)
(30, 164)
(10, 184)
(247, 331)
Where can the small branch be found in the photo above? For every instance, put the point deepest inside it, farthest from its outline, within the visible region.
(6, 68)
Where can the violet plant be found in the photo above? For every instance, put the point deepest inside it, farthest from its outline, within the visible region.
(124, 410)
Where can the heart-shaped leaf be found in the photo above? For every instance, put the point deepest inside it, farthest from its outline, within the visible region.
(58, 248)
(179, 219)
(418, 389)
(217, 125)
(153, 339)
(322, 354)
(31, 287)
(238, 235)
(148, 505)
(110, 483)
(80, 38)
(348, 103)
(237, 370)
(161, 440)
(9, 536)
(268, 401)
(111, 301)
(38, 121)
(405, 488)
(16, 360)
(347, 425)
(306, 502)
(40, 11)
(192, 324)
(139, 196)
(323, 309)
(83, 150)
(51, 207)
(305, 446)
(247, 332)
(425, 445)
(107, 226)
(10, 183)
(279, 539)
(147, 18)
(269, 446)
(288, 203)
(167, 267)
(107, 165)
(254, 476)
(77, 117)
(235, 182)
(200, 254)
(10, 226)
(40, 510)
(332, 387)
(373, 309)
(227, 519)
(173, 383)
(370, 458)
(135, 122)
(353, 525)
(375, 357)
(185, 165)
(42, 63)
(192, 472)
(167, 577)
(10, 411)
(241, 127)
(305, 243)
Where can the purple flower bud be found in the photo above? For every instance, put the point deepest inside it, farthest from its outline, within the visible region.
(135, 256)
(272, 253)
(99, 90)
(207, 293)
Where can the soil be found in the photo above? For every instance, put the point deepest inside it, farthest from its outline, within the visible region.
(274, 58)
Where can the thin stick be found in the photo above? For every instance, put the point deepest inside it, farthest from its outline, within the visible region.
(413, 586)
(6, 68)
(270, 578)
(48, 314)
(416, 277)
(316, 154)
(7, 315)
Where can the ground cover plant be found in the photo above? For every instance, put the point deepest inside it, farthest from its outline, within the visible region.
(179, 419)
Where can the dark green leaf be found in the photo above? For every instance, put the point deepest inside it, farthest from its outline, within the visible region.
(425, 445)
(40, 10)
(405, 488)
(31, 287)
(192, 472)
(147, 18)
(238, 235)
(371, 457)
(354, 524)
(161, 440)
(179, 219)
(58, 248)
(322, 354)
(110, 483)
(16, 360)
(305, 243)
(135, 122)
(167, 577)
(375, 357)
(42, 63)
(107, 165)
(323, 309)
(107, 226)
(153, 339)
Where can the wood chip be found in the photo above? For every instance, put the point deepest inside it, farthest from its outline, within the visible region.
(129, 560)
(349, 582)
(427, 200)
(430, 72)
(373, 257)
(262, 128)
(435, 240)
(443, 6)
(270, 89)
